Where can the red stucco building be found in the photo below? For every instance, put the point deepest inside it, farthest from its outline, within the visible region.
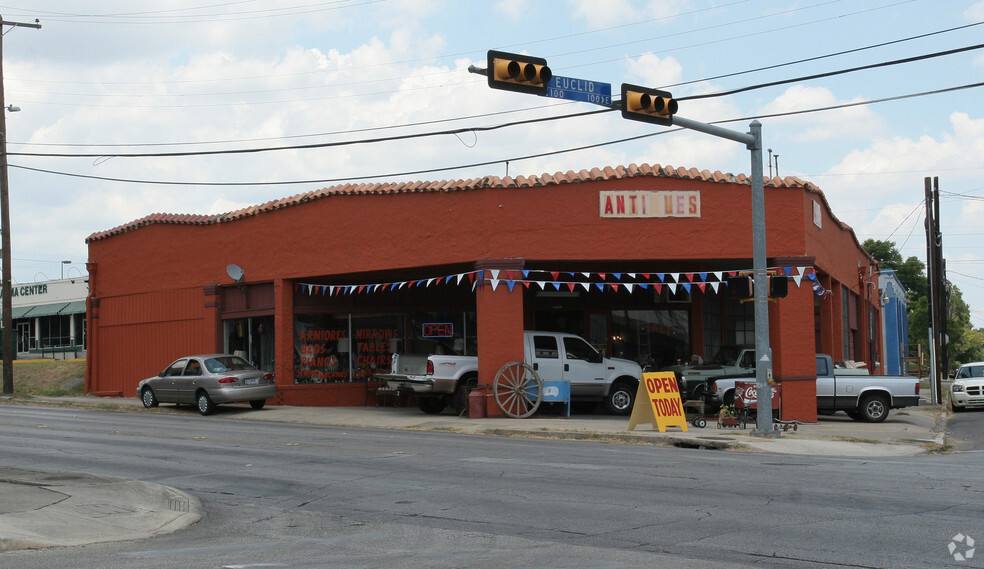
(631, 258)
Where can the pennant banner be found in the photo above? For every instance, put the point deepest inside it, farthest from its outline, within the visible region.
(569, 281)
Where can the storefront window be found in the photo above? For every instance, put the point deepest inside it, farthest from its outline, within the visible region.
(441, 333)
(339, 349)
(654, 338)
(251, 339)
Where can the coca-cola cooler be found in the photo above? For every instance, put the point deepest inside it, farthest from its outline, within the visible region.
(746, 399)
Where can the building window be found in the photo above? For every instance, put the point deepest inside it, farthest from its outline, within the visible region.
(655, 338)
(251, 339)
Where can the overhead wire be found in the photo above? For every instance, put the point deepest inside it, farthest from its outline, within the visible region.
(436, 121)
(483, 163)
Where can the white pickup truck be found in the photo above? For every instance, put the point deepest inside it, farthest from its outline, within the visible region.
(862, 397)
(438, 380)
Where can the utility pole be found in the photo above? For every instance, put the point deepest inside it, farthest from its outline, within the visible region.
(938, 294)
(5, 276)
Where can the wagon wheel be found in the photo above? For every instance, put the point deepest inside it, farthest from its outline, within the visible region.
(517, 390)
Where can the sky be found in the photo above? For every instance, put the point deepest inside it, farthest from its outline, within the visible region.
(103, 79)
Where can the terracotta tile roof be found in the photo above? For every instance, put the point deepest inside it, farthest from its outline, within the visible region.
(569, 177)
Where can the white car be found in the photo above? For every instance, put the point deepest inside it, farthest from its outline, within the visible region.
(967, 391)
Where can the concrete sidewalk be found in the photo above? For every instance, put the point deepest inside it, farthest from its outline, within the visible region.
(62, 509)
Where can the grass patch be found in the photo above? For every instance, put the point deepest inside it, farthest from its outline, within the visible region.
(49, 378)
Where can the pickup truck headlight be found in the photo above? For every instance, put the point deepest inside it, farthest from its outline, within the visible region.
(957, 388)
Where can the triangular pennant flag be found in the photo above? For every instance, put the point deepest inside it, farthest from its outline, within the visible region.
(601, 286)
(788, 270)
(659, 277)
(702, 277)
(659, 288)
(715, 285)
(689, 277)
(614, 286)
(645, 276)
(494, 282)
(812, 276)
(602, 275)
(586, 286)
(686, 286)
(555, 275)
(802, 270)
(586, 275)
(631, 275)
(556, 285)
(526, 283)
(628, 286)
(448, 278)
(570, 286)
(797, 279)
(495, 273)
(672, 287)
(511, 284)
(618, 276)
(702, 287)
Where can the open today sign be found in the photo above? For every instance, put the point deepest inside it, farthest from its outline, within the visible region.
(665, 407)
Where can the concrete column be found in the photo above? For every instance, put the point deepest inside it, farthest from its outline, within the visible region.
(791, 326)
(283, 328)
(499, 312)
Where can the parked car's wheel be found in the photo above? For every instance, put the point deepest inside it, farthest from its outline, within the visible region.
(205, 405)
(431, 405)
(460, 399)
(874, 408)
(257, 404)
(148, 398)
(621, 397)
(856, 415)
(956, 409)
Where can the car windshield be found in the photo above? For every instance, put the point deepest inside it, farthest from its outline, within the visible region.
(971, 371)
(223, 364)
(726, 356)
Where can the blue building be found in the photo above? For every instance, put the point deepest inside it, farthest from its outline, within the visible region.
(895, 323)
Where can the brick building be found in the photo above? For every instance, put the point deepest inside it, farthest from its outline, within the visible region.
(632, 258)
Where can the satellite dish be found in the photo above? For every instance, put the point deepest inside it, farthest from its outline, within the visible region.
(235, 272)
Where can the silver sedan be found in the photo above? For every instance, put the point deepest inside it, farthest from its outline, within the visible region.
(206, 381)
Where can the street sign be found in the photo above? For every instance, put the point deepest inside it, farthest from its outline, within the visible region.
(580, 90)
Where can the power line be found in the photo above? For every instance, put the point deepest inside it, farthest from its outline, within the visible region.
(475, 164)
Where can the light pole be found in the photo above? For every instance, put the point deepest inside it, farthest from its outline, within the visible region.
(5, 275)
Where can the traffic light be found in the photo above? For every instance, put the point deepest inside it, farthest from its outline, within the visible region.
(741, 286)
(514, 72)
(778, 286)
(648, 105)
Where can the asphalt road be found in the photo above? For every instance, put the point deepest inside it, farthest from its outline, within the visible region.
(299, 496)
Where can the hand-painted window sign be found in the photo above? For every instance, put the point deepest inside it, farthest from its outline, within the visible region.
(650, 204)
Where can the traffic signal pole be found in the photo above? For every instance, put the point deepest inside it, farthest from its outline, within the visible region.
(763, 351)
(528, 74)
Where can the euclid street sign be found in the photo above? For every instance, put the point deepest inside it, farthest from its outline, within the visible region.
(580, 90)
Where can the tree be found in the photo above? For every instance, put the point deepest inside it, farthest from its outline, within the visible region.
(965, 343)
(909, 272)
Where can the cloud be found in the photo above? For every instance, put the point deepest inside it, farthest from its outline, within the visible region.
(859, 121)
(512, 9)
(604, 14)
(651, 70)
